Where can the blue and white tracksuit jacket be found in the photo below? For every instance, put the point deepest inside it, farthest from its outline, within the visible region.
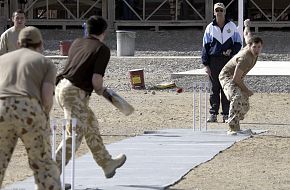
(217, 41)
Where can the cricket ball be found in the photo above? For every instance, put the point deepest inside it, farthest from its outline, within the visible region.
(179, 90)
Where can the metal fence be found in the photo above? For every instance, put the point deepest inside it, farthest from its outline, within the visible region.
(156, 13)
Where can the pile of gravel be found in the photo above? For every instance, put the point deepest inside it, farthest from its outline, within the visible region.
(186, 42)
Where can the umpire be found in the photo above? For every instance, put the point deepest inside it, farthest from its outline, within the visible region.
(26, 96)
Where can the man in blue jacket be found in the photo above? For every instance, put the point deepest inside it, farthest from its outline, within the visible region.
(221, 41)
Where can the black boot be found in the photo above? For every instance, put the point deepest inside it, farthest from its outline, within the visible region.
(67, 186)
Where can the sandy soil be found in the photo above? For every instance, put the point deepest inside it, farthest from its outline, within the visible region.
(261, 162)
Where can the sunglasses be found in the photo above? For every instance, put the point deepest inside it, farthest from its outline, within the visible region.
(219, 10)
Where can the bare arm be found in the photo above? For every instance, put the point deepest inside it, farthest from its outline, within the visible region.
(247, 31)
(3, 46)
(47, 96)
(97, 81)
(237, 78)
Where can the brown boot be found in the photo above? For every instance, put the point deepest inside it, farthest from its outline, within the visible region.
(112, 165)
(233, 130)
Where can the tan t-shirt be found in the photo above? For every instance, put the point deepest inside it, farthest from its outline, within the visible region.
(244, 60)
(23, 72)
(8, 40)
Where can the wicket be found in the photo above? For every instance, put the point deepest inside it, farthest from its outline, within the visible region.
(200, 88)
(65, 122)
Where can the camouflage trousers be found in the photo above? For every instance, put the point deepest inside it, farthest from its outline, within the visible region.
(239, 103)
(74, 103)
(23, 117)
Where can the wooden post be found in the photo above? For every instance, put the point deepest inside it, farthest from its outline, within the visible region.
(13, 6)
(29, 13)
(78, 9)
(3, 19)
(2, 8)
(47, 11)
(208, 11)
(5, 10)
(111, 13)
(273, 11)
(8, 12)
(105, 9)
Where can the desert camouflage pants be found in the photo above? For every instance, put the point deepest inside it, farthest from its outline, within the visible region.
(23, 117)
(74, 103)
(239, 103)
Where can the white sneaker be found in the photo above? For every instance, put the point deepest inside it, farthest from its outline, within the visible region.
(67, 186)
(113, 164)
(230, 132)
(212, 118)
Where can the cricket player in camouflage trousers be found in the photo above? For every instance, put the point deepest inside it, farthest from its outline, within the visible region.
(232, 80)
(88, 58)
(26, 97)
(221, 41)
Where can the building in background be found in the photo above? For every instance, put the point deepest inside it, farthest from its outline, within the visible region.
(144, 13)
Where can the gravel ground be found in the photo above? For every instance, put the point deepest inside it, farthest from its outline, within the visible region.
(174, 43)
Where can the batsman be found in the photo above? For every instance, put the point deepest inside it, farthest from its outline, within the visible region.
(88, 58)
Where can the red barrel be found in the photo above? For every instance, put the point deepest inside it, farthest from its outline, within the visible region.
(64, 47)
(137, 78)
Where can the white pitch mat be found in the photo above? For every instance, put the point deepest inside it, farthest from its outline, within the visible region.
(262, 68)
(155, 160)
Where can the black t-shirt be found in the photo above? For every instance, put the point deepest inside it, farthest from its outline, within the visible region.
(86, 57)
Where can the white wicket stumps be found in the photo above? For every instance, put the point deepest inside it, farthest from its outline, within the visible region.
(201, 89)
(65, 122)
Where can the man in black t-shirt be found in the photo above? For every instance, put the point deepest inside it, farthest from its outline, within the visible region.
(88, 58)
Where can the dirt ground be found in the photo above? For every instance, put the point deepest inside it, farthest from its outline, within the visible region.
(261, 162)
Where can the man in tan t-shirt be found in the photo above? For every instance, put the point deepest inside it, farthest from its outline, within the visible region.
(8, 40)
(232, 81)
(26, 96)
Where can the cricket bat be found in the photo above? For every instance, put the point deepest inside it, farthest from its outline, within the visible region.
(118, 101)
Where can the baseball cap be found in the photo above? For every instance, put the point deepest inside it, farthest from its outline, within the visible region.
(30, 35)
(219, 5)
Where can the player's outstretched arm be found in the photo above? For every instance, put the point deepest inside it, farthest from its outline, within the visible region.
(247, 31)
